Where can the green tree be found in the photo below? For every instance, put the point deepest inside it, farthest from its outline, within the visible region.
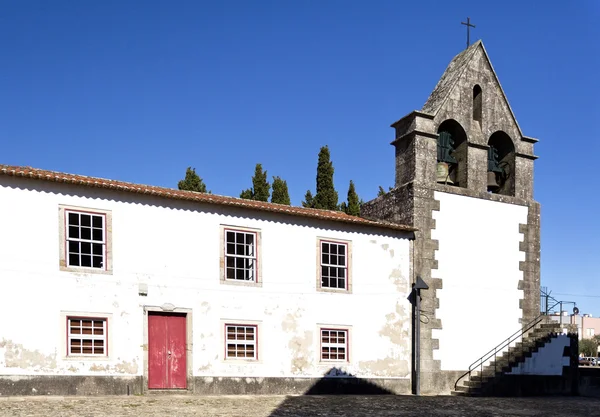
(280, 193)
(382, 191)
(260, 186)
(326, 197)
(309, 200)
(247, 194)
(589, 347)
(192, 182)
(353, 206)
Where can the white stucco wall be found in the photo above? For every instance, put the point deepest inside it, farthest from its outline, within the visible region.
(478, 261)
(174, 248)
(549, 360)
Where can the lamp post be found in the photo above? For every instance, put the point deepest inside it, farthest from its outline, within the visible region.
(415, 299)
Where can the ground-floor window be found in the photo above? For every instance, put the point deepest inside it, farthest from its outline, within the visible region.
(87, 336)
(241, 341)
(334, 344)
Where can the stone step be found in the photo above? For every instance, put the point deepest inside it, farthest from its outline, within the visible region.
(465, 393)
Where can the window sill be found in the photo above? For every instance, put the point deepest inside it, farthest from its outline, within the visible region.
(75, 358)
(84, 270)
(335, 290)
(241, 283)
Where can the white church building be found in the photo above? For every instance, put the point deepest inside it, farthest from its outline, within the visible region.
(113, 288)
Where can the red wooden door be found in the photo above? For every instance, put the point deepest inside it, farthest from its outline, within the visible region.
(166, 351)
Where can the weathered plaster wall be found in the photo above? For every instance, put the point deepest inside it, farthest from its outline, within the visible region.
(478, 258)
(173, 248)
(549, 360)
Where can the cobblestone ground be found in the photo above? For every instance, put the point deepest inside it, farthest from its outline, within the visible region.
(279, 406)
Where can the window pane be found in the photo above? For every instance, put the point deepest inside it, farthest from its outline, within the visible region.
(86, 220)
(230, 273)
(325, 282)
(97, 249)
(74, 259)
(240, 274)
(73, 219)
(333, 249)
(97, 221)
(86, 233)
(97, 262)
(86, 260)
(74, 232)
(230, 237)
(86, 248)
(73, 247)
(97, 234)
(324, 247)
(230, 249)
(239, 249)
(240, 263)
(239, 238)
(342, 260)
(324, 258)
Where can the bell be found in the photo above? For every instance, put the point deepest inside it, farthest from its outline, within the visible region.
(443, 173)
(492, 184)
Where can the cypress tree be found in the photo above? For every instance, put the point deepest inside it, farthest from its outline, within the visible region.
(353, 207)
(247, 194)
(309, 200)
(192, 182)
(326, 197)
(280, 193)
(260, 186)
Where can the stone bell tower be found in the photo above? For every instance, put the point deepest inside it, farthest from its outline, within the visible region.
(464, 179)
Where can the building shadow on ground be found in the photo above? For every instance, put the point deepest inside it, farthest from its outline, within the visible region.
(335, 382)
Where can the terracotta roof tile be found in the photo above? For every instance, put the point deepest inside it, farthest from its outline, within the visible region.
(338, 216)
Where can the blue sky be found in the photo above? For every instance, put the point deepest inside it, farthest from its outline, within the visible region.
(139, 90)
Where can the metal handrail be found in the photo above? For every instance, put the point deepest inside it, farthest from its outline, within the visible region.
(499, 348)
(506, 342)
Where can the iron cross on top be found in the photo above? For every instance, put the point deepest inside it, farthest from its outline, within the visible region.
(469, 26)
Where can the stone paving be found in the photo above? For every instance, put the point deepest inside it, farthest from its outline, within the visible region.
(296, 406)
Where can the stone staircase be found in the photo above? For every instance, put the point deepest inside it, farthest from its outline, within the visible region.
(489, 380)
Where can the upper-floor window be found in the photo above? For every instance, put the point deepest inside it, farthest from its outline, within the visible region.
(86, 239)
(333, 265)
(240, 255)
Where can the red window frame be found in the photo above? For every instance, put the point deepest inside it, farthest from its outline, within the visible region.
(68, 345)
(256, 259)
(347, 278)
(255, 358)
(347, 344)
(66, 236)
